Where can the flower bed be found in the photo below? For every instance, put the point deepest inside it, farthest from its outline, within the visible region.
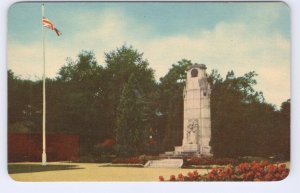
(142, 159)
(209, 161)
(127, 160)
(262, 171)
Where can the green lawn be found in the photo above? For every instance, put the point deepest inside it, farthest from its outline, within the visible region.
(60, 171)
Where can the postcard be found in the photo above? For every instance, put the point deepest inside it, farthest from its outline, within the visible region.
(148, 91)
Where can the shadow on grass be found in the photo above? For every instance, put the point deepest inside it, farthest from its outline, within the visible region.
(124, 165)
(30, 168)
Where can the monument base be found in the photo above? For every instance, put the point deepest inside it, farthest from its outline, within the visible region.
(164, 163)
(193, 149)
(189, 150)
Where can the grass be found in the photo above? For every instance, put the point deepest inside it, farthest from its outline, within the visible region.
(29, 168)
(122, 165)
(34, 172)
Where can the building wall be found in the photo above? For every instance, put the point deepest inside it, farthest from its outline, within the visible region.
(28, 147)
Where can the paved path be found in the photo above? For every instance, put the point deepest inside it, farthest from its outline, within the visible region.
(58, 171)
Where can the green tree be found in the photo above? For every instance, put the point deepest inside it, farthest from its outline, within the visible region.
(123, 101)
(120, 65)
(24, 104)
(282, 131)
(79, 106)
(133, 122)
(171, 104)
(243, 123)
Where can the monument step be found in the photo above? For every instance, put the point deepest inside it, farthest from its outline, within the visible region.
(187, 148)
(164, 163)
(169, 152)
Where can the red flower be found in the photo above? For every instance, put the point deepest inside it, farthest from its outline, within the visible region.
(245, 171)
(282, 168)
(257, 175)
(255, 166)
(191, 175)
(271, 168)
(282, 165)
(214, 171)
(268, 177)
(172, 178)
(229, 170)
(277, 175)
(221, 176)
(264, 163)
(180, 177)
(195, 173)
(211, 176)
(284, 174)
(161, 178)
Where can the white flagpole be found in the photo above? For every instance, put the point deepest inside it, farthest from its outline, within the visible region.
(44, 156)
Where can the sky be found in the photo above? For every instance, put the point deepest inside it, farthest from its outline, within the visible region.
(243, 37)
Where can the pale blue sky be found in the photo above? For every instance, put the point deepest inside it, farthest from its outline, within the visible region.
(225, 36)
(165, 18)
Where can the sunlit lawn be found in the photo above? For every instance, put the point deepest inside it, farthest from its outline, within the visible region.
(60, 171)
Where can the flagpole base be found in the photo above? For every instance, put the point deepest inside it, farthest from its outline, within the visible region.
(44, 159)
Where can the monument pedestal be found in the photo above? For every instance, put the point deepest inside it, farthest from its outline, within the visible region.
(193, 149)
(188, 148)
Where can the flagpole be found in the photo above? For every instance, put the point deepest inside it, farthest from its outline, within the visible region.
(44, 156)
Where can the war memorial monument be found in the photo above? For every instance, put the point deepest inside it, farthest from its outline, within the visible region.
(196, 120)
(197, 124)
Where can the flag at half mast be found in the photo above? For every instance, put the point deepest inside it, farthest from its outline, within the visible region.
(47, 23)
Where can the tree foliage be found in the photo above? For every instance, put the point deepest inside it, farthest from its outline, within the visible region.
(121, 101)
(133, 120)
(242, 122)
(121, 64)
(24, 104)
(171, 104)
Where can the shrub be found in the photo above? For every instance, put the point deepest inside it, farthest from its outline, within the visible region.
(128, 160)
(209, 161)
(142, 159)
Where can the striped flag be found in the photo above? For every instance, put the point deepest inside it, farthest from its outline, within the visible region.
(47, 23)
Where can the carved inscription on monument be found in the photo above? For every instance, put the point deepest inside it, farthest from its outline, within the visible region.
(191, 131)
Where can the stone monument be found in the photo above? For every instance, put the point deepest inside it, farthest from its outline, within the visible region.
(196, 120)
(197, 124)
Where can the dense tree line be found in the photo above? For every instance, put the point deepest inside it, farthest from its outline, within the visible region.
(243, 123)
(121, 100)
